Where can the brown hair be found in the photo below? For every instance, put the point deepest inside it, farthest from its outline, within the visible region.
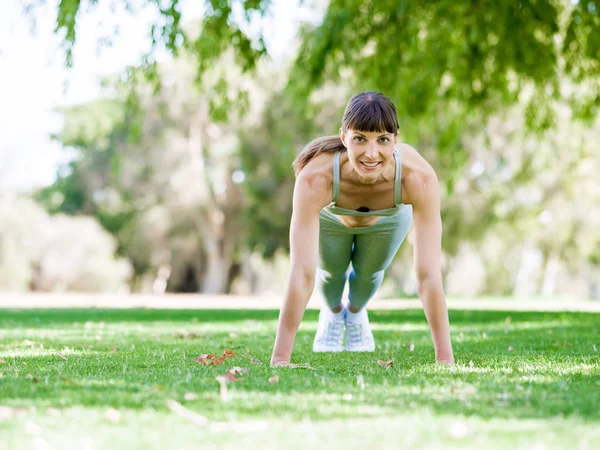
(367, 111)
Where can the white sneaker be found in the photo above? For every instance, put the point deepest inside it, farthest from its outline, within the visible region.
(330, 331)
(359, 337)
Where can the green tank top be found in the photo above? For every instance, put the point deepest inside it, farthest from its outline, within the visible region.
(334, 209)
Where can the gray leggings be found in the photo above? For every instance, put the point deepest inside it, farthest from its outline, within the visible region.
(370, 249)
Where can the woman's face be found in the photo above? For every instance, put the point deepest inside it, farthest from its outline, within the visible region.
(369, 152)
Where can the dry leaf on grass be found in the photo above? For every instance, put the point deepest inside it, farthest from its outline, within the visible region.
(389, 363)
(2, 361)
(112, 415)
(213, 359)
(510, 349)
(239, 371)
(274, 379)
(228, 376)
(204, 358)
(27, 342)
(114, 349)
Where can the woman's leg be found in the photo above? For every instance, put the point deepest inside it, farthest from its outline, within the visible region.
(374, 251)
(335, 251)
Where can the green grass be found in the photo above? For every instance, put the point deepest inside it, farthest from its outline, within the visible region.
(522, 380)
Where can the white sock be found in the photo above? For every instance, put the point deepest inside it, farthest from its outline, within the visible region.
(350, 316)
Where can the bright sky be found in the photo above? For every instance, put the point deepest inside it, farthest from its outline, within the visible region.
(33, 78)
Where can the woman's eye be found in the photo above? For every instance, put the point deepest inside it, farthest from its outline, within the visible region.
(384, 140)
(358, 139)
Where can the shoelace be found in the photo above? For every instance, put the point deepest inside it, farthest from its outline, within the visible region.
(354, 333)
(334, 332)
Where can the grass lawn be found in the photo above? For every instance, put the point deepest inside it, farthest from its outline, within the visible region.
(99, 379)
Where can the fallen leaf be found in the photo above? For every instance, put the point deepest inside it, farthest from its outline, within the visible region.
(61, 355)
(228, 376)
(27, 342)
(218, 361)
(114, 349)
(258, 362)
(189, 396)
(112, 415)
(389, 363)
(66, 380)
(204, 358)
(2, 361)
(274, 379)
(212, 359)
(239, 371)
(510, 349)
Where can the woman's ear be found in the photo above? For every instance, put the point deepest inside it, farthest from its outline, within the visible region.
(343, 137)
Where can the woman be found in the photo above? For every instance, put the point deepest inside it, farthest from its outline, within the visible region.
(354, 201)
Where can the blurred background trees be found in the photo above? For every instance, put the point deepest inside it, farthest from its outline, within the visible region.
(185, 165)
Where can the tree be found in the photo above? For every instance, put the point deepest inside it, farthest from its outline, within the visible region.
(465, 60)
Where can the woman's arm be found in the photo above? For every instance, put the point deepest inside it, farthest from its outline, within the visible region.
(427, 255)
(309, 197)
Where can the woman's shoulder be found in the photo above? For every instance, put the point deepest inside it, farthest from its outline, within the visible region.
(320, 168)
(417, 173)
(317, 177)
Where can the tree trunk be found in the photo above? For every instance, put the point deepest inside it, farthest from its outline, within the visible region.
(552, 266)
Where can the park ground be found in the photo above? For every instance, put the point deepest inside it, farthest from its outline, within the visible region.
(142, 375)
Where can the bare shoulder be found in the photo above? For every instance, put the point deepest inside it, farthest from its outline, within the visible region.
(314, 182)
(420, 184)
